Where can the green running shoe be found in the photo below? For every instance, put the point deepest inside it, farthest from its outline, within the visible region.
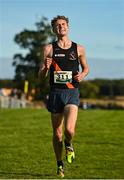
(70, 155)
(60, 171)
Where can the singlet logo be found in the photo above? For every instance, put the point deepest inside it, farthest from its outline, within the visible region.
(59, 55)
(72, 56)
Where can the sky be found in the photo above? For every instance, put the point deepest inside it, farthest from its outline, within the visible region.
(98, 25)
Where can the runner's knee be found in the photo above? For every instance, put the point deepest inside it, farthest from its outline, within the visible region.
(69, 133)
(57, 135)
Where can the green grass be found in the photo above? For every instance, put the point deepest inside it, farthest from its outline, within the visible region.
(26, 145)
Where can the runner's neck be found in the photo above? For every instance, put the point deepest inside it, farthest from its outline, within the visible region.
(64, 43)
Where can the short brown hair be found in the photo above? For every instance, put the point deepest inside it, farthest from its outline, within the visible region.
(53, 21)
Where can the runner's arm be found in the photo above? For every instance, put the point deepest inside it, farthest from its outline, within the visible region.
(44, 68)
(83, 62)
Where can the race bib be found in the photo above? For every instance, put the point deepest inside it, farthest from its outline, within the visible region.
(62, 77)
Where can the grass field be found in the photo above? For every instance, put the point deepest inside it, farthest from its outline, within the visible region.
(26, 149)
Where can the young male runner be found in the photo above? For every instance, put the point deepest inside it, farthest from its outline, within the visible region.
(62, 59)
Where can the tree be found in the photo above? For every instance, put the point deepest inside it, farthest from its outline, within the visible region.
(33, 41)
(88, 90)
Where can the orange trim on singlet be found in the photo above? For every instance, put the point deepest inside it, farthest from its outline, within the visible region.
(57, 68)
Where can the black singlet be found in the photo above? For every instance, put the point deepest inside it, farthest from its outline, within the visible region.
(64, 60)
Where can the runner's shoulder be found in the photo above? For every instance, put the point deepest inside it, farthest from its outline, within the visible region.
(80, 49)
(48, 48)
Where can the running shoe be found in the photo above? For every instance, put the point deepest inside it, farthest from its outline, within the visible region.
(70, 155)
(60, 171)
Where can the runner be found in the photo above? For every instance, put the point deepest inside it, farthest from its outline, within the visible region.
(62, 59)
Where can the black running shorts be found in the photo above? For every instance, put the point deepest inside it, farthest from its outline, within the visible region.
(58, 98)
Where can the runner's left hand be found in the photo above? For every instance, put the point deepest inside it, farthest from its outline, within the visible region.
(78, 77)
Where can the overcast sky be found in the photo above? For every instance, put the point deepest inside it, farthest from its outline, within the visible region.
(96, 24)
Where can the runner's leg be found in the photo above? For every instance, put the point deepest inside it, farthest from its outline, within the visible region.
(70, 116)
(57, 124)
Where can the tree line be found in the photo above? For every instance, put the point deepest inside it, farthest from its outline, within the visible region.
(96, 88)
(102, 87)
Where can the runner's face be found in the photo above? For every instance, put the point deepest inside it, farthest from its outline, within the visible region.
(61, 27)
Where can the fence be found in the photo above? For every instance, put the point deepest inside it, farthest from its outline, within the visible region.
(12, 102)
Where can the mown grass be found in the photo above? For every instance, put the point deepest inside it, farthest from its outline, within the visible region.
(26, 145)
